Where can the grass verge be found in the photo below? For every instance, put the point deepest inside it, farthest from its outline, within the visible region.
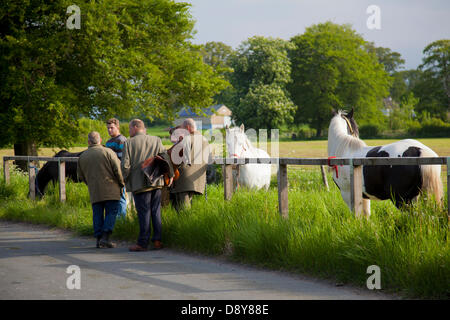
(321, 237)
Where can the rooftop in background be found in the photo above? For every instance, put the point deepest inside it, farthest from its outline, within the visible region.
(219, 109)
(216, 116)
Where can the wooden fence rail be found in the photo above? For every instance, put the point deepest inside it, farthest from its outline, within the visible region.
(354, 163)
(32, 173)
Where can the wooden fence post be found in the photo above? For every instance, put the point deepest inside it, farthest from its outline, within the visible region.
(448, 188)
(324, 177)
(356, 188)
(32, 180)
(283, 202)
(62, 180)
(228, 181)
(6, 170)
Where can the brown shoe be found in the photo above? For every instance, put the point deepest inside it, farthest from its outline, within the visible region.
(137, 248)
(157, 245)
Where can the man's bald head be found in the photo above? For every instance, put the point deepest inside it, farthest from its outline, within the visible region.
(190, 125)
(94, 138)
(136, 126)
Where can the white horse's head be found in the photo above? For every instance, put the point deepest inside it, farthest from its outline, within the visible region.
(343, 134)
(344, 123)
(237, 142)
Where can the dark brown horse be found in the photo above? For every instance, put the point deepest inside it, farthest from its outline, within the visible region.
(49, 172)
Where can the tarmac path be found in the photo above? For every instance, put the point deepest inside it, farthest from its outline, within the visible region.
(34, 261)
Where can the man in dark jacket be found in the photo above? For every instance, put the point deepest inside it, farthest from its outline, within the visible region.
(116, 143)
(99, 168)
(147, 195)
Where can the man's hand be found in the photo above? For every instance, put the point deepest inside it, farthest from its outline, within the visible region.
(170, 182)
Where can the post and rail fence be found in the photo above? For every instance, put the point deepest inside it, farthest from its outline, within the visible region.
(355, 164)
(32, 173)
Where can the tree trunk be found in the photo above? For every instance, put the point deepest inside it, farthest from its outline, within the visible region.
(26, 148)
(319, 131)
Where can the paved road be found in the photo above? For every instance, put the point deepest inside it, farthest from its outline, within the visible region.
(34, 260)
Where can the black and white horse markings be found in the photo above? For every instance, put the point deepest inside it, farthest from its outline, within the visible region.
(400, 183)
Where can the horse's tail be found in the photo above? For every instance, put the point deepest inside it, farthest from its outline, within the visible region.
(431, 177)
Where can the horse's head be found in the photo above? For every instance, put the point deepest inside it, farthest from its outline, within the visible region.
(179, 150)
(175, 133)
(237, 142)
(343, 134)
(344, 122)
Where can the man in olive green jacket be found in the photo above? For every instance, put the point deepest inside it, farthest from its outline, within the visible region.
(99, 168)
(192, 180)
(147, 196)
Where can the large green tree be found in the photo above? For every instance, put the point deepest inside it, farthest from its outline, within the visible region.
(391, 60)
(261, 71)
(218, 55)
(128, 57)
(332, 68)
(433, 88)
(403, 83)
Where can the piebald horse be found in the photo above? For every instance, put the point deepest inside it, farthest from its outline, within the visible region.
(400, 183)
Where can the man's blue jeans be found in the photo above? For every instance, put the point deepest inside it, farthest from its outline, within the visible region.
(148, 207)
(122, 205)
(104, 216)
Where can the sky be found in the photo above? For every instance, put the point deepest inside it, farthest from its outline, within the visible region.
(406, 26)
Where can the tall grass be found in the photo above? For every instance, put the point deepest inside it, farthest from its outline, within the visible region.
(321, 237)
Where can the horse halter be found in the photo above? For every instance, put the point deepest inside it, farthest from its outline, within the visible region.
(349, 125)
(243, 150)
(238, 156)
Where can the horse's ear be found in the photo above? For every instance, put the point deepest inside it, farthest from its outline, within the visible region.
(227, 127)
(242, 127)
(333, 112)
(350, 114)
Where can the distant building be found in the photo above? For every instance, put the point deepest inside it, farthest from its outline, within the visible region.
(217, 116)
(388, 106)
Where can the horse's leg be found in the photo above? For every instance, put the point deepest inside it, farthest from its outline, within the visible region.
(366, 207)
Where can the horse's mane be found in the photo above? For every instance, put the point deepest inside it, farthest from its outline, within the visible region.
(339, 140)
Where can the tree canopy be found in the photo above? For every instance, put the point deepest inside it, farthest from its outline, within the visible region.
(332, 68)
(261, 71)
(433, 89)
(128, 57)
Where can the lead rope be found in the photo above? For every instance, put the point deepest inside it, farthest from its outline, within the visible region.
(335, 167)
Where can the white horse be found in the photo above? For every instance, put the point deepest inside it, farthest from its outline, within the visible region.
(252, 175)
(401, 184)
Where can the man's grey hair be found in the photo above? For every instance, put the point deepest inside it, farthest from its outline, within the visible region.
(94, 137)
(190, 122)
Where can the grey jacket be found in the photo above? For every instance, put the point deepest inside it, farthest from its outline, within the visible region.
(193, 174)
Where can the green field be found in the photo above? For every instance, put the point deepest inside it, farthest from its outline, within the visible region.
(294, 149)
